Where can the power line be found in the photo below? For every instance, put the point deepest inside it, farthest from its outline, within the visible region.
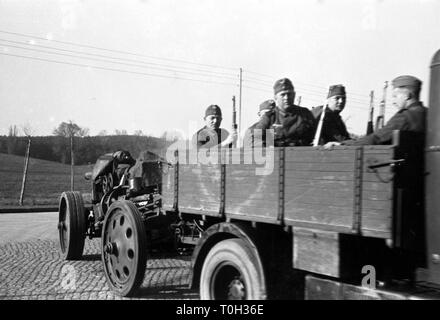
(115, 62)
(116, 51)
(117, 70)
(115, 58)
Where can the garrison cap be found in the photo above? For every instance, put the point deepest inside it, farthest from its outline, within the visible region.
(336, 90)
(282, 84)
(407, 81)
(213, 110)
(267, 105)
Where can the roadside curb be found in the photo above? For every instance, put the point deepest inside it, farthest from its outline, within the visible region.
(26, 209)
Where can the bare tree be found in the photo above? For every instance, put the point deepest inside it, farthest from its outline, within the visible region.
(27, 130)
(70, 130)
(122, 132)
(138, 133)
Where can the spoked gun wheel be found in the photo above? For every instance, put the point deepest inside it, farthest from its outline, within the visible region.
(124, 248)
(71, 225)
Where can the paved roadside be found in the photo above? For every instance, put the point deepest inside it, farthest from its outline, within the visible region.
(31, 266)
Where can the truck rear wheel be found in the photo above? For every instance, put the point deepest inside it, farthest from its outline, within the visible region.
(231, 272)
(124, 248)
(71, 225)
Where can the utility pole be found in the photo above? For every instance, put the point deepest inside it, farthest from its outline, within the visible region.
(239, 103)
(72, 162)
(234, 119)
(26, 165)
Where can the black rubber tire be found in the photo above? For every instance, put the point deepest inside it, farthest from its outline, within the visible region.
(125, 267)
(232, 264)
(72, 226)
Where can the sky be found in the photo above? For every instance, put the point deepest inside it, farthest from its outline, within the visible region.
(156, 65)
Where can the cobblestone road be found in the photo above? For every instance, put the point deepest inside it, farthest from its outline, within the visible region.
(31, 266)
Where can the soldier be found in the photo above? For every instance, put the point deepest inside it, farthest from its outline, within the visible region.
(411, 114)
(268, 107)
(333, 128)
(211, 134)
(293, 125)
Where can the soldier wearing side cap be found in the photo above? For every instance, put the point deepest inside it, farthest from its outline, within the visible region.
(411, 114)
(211, 134)
(333, 127)
(266, 107)
(292, 125)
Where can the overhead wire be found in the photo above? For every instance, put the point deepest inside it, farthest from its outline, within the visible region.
(117, 62)
(117, 70)
(116, 51)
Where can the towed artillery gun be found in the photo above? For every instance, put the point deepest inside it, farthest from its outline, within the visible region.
(325, 214)
(125, 208)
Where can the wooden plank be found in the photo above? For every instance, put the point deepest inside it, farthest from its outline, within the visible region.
(384, 176)
(250, 217)
(326, 167)
(297, 182)
(199, 194)
(211, 213)
(312, 191)
(377, 225)
(319, 175)
(319, 226)
(384, 205)
(376, 234)
(252, 211)
(376, 186)
(316, 251)
(324, 200)
(321, 214)
(296, 152)
(374, 195)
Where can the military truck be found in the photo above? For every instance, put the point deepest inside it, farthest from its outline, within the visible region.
(353, 222)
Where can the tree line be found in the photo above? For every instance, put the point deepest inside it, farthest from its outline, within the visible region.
(87, 148)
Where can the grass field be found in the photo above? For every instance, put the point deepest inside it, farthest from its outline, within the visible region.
(46, 180)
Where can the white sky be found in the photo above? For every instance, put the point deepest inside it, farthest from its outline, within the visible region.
(315, 43)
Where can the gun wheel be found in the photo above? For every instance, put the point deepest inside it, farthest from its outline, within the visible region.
(124, 248)
(71, 225)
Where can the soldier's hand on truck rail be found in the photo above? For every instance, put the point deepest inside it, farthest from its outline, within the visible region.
(331, 144)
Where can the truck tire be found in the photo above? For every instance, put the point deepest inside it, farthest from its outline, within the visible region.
(231, 272)
(71, 225)
(124, 248)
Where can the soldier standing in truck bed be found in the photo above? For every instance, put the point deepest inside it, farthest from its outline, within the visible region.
(411, 114)
(292, 125)
(266, 107)
(211, 134)
(333, 127)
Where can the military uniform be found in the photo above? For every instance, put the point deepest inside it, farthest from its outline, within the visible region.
(249, 136)
(293, 125)
(208, 138)
(333, 128)
(411, 118)
(297, 126)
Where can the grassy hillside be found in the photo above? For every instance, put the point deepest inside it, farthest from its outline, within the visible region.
(46, 180)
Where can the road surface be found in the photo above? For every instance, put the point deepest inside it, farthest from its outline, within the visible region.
(31, 266)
